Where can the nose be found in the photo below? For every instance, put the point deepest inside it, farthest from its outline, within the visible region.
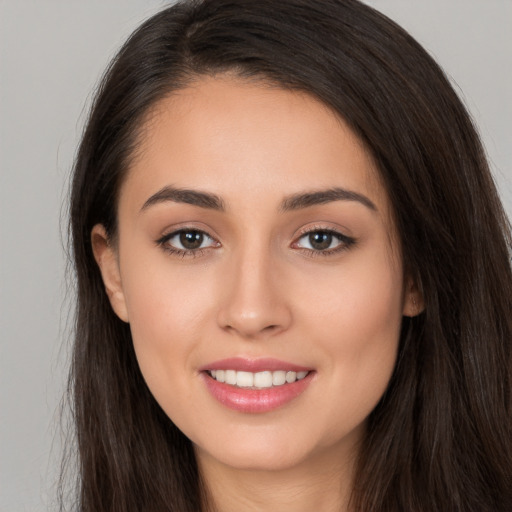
(254, 304)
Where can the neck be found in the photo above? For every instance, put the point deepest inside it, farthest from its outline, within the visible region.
(322, 485)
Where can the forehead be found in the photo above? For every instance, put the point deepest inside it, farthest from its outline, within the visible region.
(230, 135)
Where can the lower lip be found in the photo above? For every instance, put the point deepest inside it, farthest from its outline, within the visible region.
(256, 400)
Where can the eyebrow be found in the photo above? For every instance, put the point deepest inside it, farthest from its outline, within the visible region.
(193, 197)
(307, 199)
(294, 202)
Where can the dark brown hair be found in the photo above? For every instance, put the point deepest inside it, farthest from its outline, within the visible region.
(440, 438)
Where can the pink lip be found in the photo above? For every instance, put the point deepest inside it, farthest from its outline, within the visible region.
(253, 365)
(255, 400)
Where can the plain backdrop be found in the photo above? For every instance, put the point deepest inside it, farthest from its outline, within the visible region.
(52, 53)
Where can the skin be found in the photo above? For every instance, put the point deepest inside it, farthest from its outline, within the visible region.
(257, 288)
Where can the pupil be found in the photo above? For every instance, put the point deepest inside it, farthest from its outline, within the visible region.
(191, 239)
(320, 240)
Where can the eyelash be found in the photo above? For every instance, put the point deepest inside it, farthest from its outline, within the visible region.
(183, 253)
(345, 243)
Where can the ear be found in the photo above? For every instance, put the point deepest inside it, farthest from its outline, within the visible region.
(106, 258)
(414, 303)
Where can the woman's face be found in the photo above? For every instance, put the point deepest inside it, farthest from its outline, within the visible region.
(256, 246)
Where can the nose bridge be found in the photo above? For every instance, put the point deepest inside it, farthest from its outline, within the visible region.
(255, 303)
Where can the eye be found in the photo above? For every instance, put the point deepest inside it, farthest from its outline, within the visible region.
(325, 241)
(186, 241)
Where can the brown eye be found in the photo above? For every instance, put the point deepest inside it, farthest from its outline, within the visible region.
(191, 240)
(186, 241)
(323, 241)
(320, 240)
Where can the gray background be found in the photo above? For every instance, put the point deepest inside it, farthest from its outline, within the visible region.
(51, 55)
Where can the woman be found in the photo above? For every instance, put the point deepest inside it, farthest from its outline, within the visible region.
(294, 281)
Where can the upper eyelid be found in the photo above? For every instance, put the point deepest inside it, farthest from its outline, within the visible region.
(341, 236)
(326, 229)
(320, 229)
(302, 233)
(164, 243)
(345, 240)
(176, 232)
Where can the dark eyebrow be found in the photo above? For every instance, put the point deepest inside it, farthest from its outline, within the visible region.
(193, 197)
(307, 199)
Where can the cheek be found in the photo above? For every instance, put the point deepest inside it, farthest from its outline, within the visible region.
(362, 296)
(167, 311)
(357, 319)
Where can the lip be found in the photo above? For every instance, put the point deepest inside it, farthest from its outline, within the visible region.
(253, 365)
(249, 400)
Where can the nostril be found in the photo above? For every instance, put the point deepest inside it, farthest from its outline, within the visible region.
(253, 332)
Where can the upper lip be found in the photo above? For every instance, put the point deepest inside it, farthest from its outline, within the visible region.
(253, 365)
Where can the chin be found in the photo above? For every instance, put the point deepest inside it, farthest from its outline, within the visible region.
(256, 460)
(276, 449)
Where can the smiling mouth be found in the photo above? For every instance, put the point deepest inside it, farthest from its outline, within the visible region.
(257, 380)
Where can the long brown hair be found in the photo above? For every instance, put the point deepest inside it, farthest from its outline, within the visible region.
(441, 436)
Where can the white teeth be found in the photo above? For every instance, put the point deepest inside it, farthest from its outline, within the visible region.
(263, 380)
(230, 377)
(244, 379)
(291, 377)
(259, 380)
(278, 378)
